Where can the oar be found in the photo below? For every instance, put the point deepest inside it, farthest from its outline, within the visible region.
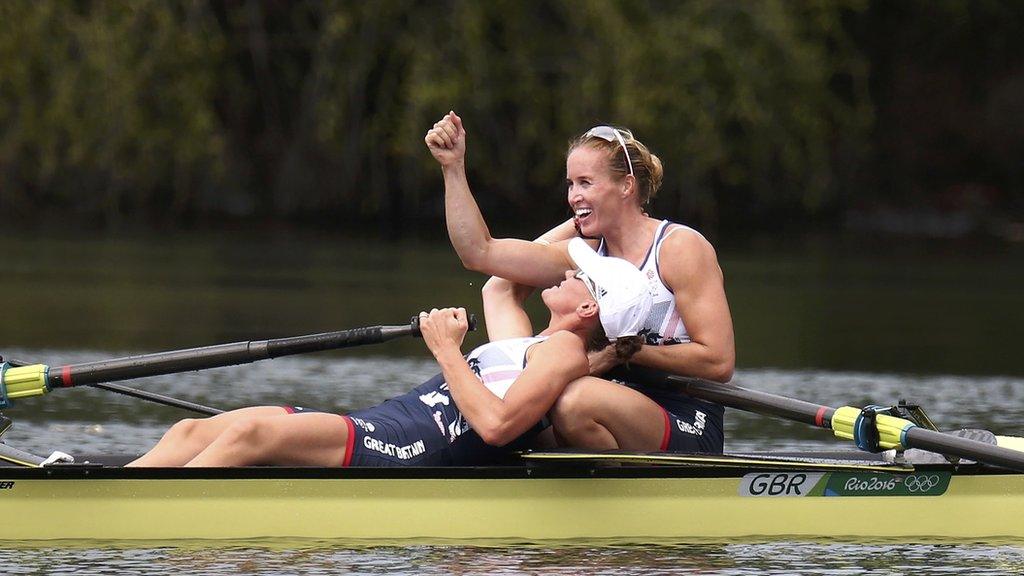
(158, 398)
(134, 393)
(849, 422)
(38, 379)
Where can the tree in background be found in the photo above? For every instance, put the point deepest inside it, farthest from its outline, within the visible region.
(185, 112)
(108, 109)
(748, 104)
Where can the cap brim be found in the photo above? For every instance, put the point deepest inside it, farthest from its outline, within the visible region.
(624, 297)
(588, 260)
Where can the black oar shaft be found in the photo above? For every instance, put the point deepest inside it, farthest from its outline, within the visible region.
(217, 356)
(735, 396)
(176, 361)
(335, 340)
(156, 364)
(158, 398)
(925, 439)
(756, 401)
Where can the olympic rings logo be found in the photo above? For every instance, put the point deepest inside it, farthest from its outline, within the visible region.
(921, 482)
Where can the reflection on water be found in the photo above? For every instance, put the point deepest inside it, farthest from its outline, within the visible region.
(89, 421)
(735, 559)
(181, 292)
(813, 324)
(818, 305)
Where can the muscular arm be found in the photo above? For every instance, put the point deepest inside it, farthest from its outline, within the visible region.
(690, 268)
(503, 309)
(517, 260)
(552, 364)
(521, 261)
(503, 299)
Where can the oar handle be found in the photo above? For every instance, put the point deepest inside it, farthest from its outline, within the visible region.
(415, 324)
(344, 338)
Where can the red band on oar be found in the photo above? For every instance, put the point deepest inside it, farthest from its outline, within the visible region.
(819, 418)
(65, 376)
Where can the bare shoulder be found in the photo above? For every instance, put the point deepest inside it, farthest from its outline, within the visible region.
(686, 253)
(562, 348)
(683, 241)
(563, 340)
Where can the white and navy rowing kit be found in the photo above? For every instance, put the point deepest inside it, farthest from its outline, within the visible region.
(424, 427)
(691, 424)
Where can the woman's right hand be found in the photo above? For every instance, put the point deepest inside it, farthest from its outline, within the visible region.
(444, 330)
(447, 140)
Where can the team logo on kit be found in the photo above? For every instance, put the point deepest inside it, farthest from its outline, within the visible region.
(433, 398)
(457, 428)
(367, 426)
(697, 428)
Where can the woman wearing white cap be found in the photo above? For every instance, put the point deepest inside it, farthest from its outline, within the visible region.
(479, 408)
(611, 176)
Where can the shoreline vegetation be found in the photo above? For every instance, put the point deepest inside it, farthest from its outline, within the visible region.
(872, 117)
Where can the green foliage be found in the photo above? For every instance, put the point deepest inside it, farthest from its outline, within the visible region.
(107, 109)
(730, 95)
(155, 108)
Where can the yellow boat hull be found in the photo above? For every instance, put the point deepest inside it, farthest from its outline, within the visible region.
(631, 504)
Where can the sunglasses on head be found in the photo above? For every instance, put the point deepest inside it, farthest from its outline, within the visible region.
(611, 134)
(588, 282)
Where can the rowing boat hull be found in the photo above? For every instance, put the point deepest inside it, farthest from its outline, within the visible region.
(620, 503)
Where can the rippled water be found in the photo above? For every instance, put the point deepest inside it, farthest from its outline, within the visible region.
(931, 309)
(737, 559)
(86, 420)
(89, 421)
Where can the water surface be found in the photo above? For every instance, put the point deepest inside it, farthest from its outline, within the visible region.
(829, 305)
(822, 322)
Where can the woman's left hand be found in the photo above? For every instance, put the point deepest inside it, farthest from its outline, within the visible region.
(444, 330)
(602, 360)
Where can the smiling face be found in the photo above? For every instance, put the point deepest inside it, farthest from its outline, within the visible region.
(595, 194)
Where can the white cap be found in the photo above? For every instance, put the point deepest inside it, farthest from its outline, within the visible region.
(621, 290)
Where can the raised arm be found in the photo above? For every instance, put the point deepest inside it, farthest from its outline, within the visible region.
(690, 268)
(552, 364)
(517, 260)
(504, 314)
(503, 299)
